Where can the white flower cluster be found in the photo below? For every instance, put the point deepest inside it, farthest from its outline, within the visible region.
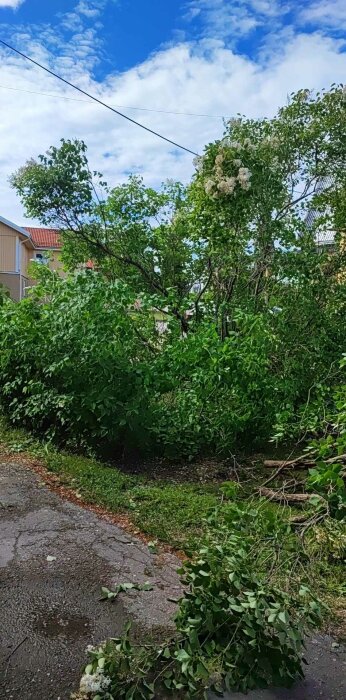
(229, 143)
(272, 141)
(94, 682)
(222, 184)
(218, 166)
(227, 185)
(234, 121)
(198, 163)
(243, 178)
(209, 186)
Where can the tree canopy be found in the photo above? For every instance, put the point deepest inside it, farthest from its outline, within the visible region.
(230, 261)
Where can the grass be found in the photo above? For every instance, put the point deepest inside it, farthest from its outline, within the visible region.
(172, 513)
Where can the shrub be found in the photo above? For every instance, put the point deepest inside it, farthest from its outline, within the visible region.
(234, 630)
(79, 366)
(73, 368)
(215, 395)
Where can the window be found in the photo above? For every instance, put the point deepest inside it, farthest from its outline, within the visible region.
(41, 258)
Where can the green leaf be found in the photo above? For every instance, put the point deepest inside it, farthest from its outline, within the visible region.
(283, 617)
(182, 655)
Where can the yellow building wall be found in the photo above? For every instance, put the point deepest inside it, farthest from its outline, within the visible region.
(11, 282)
(8, 243)
(16, 255)
(27, 255)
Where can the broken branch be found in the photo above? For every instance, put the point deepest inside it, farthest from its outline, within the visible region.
(286, 497)
(302, 462)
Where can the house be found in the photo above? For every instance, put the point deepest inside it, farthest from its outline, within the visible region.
(19, 246)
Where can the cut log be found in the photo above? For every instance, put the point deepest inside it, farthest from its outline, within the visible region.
(297, 463)
(302, 462)
(290, 464)
(285, 497)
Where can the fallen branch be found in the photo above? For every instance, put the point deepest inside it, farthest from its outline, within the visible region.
(299, 463)
(286, 497)
(335, 460)
(302, 462)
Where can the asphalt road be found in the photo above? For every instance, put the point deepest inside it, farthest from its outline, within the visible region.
(50, 610)
(54, 556)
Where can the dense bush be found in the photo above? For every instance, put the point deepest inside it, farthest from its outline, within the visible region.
(76, 369)
(214, 394)
(327, 478)
(72, 367)
(81, 363)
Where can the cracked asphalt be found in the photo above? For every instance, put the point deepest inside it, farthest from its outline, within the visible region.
(50, 608)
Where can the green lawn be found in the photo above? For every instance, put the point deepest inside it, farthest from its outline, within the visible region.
(172, 513)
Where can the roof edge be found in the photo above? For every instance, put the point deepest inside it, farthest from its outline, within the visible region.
(15, 227)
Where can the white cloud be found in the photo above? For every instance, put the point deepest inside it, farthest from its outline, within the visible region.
(325, 13)
(90, 9)
(203, 77)
(11, 3)
(234, 20)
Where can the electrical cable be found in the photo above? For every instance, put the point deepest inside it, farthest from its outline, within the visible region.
(95, 99)
(139, 109)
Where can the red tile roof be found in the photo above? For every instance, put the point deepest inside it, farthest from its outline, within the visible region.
(44, 237)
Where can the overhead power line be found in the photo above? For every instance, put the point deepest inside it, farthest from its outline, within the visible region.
(95, 99)
(139, 109)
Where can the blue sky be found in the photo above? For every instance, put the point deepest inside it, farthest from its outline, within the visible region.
(212, 57)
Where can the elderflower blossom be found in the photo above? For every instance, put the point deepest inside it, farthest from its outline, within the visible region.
(198, 163)
(237, 162)
(271, 141)
(304, 95)
(209, 186)
(219, 160)
(342, 243)
(94, 682)
(227, 185)
(341, 277)
(244, 176)
(236, 145)
(234, 121)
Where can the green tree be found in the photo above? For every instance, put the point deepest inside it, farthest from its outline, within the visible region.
(231, 261)
(129, 231)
